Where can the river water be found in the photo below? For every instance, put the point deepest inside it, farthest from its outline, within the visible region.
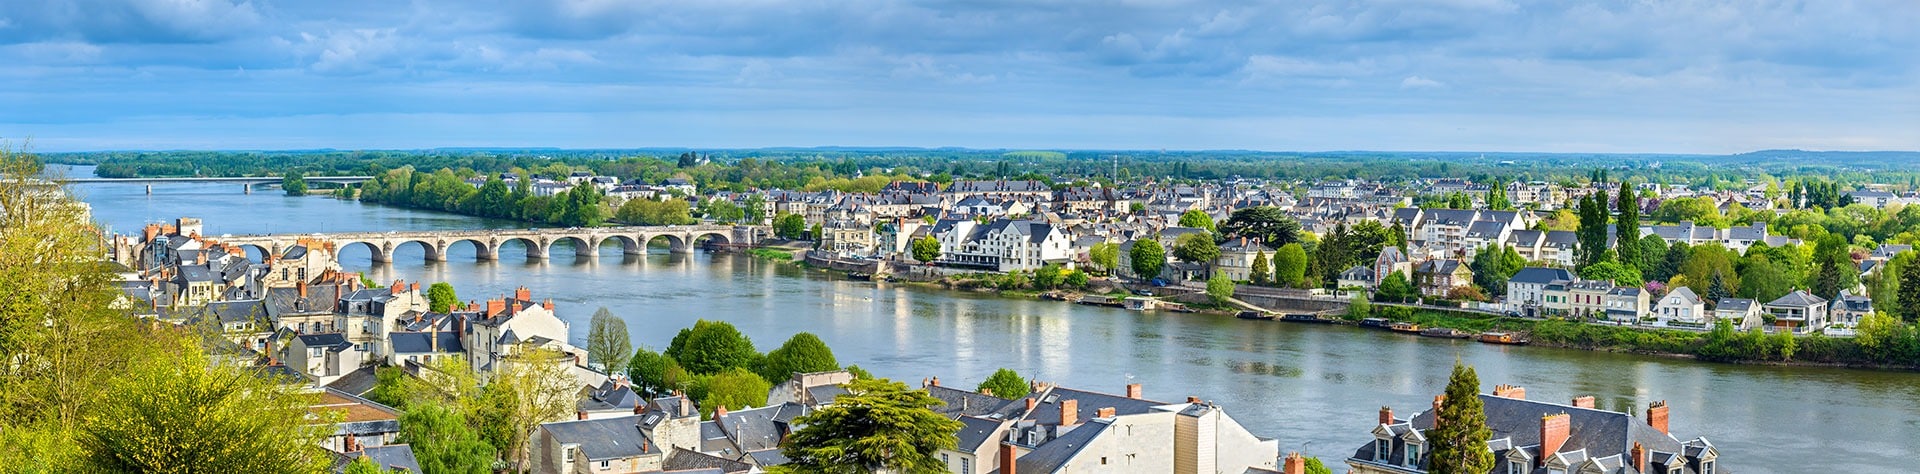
(1315, 388)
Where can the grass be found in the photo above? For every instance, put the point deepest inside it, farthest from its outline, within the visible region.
(771, 254)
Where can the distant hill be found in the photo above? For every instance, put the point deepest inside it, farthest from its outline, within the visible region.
(1863, 159)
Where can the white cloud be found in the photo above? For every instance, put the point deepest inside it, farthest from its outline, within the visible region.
(1417, 82)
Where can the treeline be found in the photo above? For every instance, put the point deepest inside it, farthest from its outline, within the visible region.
(446, 190)
(716, 365)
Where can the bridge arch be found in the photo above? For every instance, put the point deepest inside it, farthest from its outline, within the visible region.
(481, 249)
(702, 238)
(675, 243)
(256, 252)
(536, 248)
(629, 245)
(584, 246)
(428, 250)
(379, 253)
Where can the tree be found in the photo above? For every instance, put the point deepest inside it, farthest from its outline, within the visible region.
(1492, 265)
(1459, 434)
(803, 353)
(1048, 276)
(1703, 262)
(1261, 274)
(1497, 197)
(1268, 224)
(1718, 288)
(926, 249)
(1197, 219)
(1290, 265)
(531, 387)
(817, 232)
(294, 183)
(877, 425)
(1592, 234)
(1611, 271)
(736, 388)
(1909, 308)
(389, 387)
(441, 298)
(1148, 258)
(711, 347)
(1314, 466)
(1220, 288)
(1652, 256)
(1005, 383)
(1105, 255)
(608, 343)
(1627, 229)
(365, 465)
(790, 226)
(1836, 270)
(652, 212)
(442, 441)
(1396, 288)
(181, 412)
(648, 372)
(1762, 280)
(1196, 248)
(1359, 307)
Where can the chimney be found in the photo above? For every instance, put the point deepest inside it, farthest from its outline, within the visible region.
(1193, 400)
(1295, 464)
(1657, 415)
(495, 307)
(1106, 412)
(548, 304)
(1510, 391)
(1386, 415)
(638, 409)
(581, 413)
(935, 382)
(719, 412)
(352, 444)
(394, 289)
(1008, 458)
(433, 337)
(1133, 391)
(1437, 401)
(1069, 412)
(303, 288)
(686, 406)
(1554, 430)
(523, 294)
(1583, 402)
(1638, 456)
(415, 287)
(1030, 403)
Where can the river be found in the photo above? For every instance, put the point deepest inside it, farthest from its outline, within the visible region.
(1315, 388)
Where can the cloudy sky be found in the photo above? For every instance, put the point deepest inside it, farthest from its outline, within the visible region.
(1467, 75)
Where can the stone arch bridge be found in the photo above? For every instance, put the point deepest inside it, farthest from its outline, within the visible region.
(586, 241)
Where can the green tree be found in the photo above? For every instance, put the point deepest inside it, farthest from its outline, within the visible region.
(1048, 276)
(877, 425)
(1627, 246)
(533, 386)
(652, 212)
(1610, 271)
(648, 371)
(1196, 248)
(735, 388)
(1762, 280)
(1077, 279)
(177, 412)
(441, 298)
(1497, 197)
(1196, 219)
(608, 343)
(1268, 224)
(1290, 265)
(1836, 270)
(1314, 466)
(442, 441)
(1148, 258)
(1359, 308)
(802, 353)
(294, 183)
(789, 226)
(817, 232)
(1220, 288)
(389, 387)
(1005, 383)
(365, 465)
(711, 347)
(1592, 234)
(926, 249)
(1909, 308)
(1396, 288)
(1459, 434)
(1105, 255)
(1653, 256)
(1261, 274)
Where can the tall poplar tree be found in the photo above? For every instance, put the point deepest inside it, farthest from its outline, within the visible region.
(1627, 228)
(1459, 436)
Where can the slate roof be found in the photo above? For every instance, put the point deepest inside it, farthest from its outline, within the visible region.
(1486, 230)
(392, 457)
(1525, 238)
(760, 428)
(1047, 410)
(422, 342)
(1734, 305)
(1593, 433)
(1685, 294)
(357, 382)
(976, 431)
(965, 403)
(331, 339)
(611, 397)
(1541, 275)
(682, 459)
(1057, 452)
(606, 438)
(1798, 298)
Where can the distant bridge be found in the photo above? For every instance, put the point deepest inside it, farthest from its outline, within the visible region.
(586, 241)
(246, 182)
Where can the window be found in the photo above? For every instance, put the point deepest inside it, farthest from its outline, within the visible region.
(1706, 467)
(603, 464)
(1516, 467)
(1380, 450)
(966, 465)
(944, 460)
(1675, 470)
(1413, 454)
(569, 456)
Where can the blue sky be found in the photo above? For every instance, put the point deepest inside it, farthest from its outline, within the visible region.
(1680, 76)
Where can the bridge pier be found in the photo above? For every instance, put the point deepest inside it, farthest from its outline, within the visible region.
(247, 187)
(586, 250)
(538, 251)
(483, 252)
(436, 253)
(149, 189)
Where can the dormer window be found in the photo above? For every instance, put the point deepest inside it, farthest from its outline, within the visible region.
(1516, 467)
(1706, 467)
(1381, 448)
(1413, 454)
(1675, 470)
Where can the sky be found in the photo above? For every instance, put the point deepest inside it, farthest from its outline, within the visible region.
(1627, 76)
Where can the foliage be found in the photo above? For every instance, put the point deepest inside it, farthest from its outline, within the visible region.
(1220, 288)
(1704, 262)
(608, 343)
(859, 373)
(1909, 307)
(1270, 225)
(1048, 276)
(1290, 265)
(1701, 210)
(1627, 229)
(794, 227)
(1147, 258)
(389, 387)
(1612, 271)
(176, 412)
(1197, 219)
(722, 210)
(1459, 435)
(648, 372)
(365, 465)
(1396, 288)
(1261, 274)
(1314, 466)
(711, 347)
(441, 298)
(443, 441)
(1077, 279)
(655, 212)
(1835, 269)
(1359, 307)
(1196, 248)
(877, 425)
(294, 184)
(1105, 255)
(534, 386)
(1005, 383)
(802, 353)
(735, 389)
(926, 249)
(1592, 234)
(1493, 265)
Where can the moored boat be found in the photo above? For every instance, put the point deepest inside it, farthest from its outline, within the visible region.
(1495, 337)
(1261, 315)
(1413, 328)
(1449, 333)
(1376, 323)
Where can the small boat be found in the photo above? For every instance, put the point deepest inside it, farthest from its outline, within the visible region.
(1302, 318)
(1448, 333)
(861, 276)
(1376, 323)
(1411, 328)
(1261, 315)
(1174, 307)
(1097, 300)
(1493, 337)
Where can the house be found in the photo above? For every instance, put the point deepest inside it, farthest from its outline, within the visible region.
(360, 423)
(1236, 258)
(323, 357)
(1743, 313)
(1542, 437)
(1526, 290)
(657, 438)
(1359, 277)
(1681, 307)
(367, 315)
(1588, 298)
(1848, 308)
(847, 237)
(613, 398)
(1798, 312)
(1437, 277)
(1390, 261)
(1058, 429)
(810, 389)
(1002, 245)
(1626, 304)
(508, 325)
